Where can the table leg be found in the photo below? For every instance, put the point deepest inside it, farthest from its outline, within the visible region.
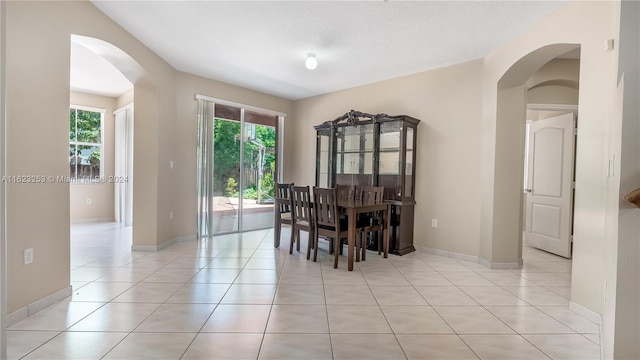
(276, 229)
(351, 237)
(387, 230)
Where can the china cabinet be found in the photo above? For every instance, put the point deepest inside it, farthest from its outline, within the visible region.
(373, 150)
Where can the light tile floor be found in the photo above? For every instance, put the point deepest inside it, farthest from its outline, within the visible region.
(235, 297)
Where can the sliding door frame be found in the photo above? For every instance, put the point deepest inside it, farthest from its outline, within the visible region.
(279, 125)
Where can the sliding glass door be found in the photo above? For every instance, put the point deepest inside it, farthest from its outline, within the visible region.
(237, 168)
(258, 167)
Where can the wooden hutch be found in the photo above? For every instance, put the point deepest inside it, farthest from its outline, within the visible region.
(373, 150)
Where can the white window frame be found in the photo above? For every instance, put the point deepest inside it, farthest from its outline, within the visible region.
(75, 180)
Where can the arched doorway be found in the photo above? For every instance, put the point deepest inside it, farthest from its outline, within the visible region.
(503, 247)
(101, 83)
(551, 129)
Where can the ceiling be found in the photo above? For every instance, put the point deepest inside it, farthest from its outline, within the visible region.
(263, 45)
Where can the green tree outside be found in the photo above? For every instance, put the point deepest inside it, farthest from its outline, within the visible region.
(226, 157)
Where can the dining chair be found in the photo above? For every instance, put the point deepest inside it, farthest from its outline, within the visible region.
(371, 223)
(282, 210)
(344, 192)
(328, 223)
(303, 219)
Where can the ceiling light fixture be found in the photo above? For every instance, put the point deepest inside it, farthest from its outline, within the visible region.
(311, 62)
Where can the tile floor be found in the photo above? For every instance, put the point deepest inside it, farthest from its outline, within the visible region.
(235, 297)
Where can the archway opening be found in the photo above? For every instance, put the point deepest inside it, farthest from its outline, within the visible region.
(102, 79)
(506, 242)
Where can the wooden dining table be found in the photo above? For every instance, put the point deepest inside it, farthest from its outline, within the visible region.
(353, 207)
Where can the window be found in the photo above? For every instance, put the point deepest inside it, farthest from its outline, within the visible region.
(85, 144)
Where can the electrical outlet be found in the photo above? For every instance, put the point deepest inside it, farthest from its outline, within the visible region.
(88, 201)
(434, 223)
(28, 256)
(171, 164)
(170, 215)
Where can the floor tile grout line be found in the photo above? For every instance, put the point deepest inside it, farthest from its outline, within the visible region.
(266, 324)
(326, 309)
(183, 252)
(395, 336)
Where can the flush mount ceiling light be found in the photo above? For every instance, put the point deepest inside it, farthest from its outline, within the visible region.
(311, 62)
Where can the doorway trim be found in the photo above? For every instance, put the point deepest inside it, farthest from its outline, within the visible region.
(239, 105)
(553, 107)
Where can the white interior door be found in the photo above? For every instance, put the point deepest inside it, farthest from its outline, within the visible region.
(549, 186)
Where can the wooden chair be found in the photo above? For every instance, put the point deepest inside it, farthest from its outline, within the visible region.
(346, 192)
(328, 222)
(282, 210)
(372, 222)
(303, 219)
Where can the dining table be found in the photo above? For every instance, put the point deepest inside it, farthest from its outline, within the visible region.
(353, 207)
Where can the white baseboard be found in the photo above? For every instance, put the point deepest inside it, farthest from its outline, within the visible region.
(17, 315)
(503, 266)
(471, 258)
(451, 254)
(465, 257)
(38, 305)
(432, 250)
(585, 313)
(153, 248)
(90, 221)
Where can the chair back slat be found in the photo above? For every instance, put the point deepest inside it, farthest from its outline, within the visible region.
(346, 192)
(301, 202)
(283, 191)
(372, 194)
(326, 207)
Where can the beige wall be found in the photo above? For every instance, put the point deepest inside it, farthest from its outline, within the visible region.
(3, 257)
(38, 49)
(555, 83)
(36, 114)
(491, 119)
(124, 99)
(588, 24)
(448, 102)
(38, 43)
(553, 94)
(101, 194)
(622, 250)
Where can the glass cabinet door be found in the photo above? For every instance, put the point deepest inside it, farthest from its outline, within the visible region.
(389, 172)
(324, 161)
(409, 157)
(354, 155)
